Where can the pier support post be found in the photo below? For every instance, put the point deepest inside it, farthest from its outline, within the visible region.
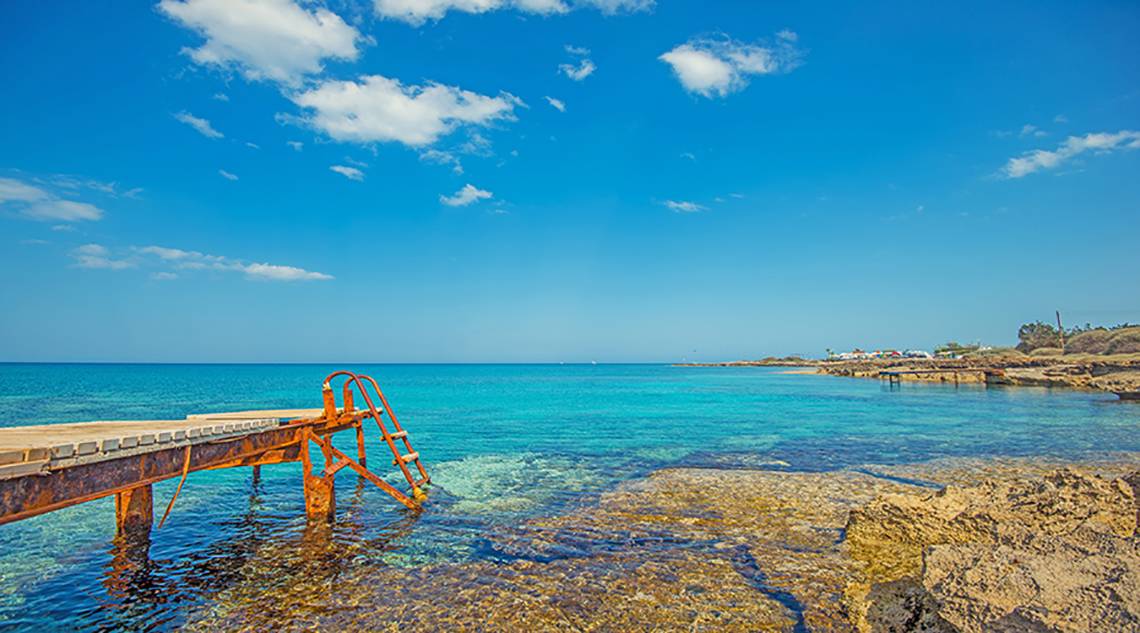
(134, 510)
(320, 498)
(256, 474)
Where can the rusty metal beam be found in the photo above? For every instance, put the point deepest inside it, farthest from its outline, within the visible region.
(24, 497)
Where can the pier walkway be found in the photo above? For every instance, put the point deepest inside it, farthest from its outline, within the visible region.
(49, 467)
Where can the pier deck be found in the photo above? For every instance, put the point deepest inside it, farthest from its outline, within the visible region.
(49, 467)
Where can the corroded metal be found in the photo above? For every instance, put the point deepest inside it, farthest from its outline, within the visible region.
(130, 476)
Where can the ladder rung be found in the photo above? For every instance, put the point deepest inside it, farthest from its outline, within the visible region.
(409, 458)
(398, 435)
(425, 480)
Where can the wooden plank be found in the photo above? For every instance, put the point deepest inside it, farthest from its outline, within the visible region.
(278, 414)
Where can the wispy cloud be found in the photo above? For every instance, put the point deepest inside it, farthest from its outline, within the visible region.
(469, 194)
(37, 203)
(277, 40)
(97, 256)
(684, 206)
(221, 96)
(377, 109)
(351, 173)
(584, 68)
(1031, 130)
(557, 104)
(719, 66)
(296, 145)
(1099, 143)
(227, 175)
(441, 157)
(417, 12)
(272, 272)
(184, 260)
(202, 125)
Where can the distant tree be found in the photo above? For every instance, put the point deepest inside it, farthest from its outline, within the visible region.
(1035, 335)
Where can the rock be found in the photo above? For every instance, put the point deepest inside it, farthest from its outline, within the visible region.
(1058, 553)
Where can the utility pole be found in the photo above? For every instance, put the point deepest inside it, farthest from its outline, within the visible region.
(1061, 331)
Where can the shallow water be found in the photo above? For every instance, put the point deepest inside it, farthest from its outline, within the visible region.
(505, 444)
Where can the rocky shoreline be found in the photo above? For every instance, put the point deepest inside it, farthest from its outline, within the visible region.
(1119, 375)
(1027, 544)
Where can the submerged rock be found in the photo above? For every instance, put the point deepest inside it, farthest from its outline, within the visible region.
(1009, 545)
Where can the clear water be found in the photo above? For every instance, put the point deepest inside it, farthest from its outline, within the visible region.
(503, 443)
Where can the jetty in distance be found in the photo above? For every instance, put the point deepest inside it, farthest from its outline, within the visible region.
(49, 467)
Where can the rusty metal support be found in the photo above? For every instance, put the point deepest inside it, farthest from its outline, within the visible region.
(174, 497)
(134, 510)
(320, 496)
(370, 476)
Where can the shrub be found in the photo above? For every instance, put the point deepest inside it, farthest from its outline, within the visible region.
(1046, 351)
(1124, 342)
(1091, 342)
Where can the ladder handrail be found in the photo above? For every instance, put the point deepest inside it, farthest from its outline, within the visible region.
(351, 378)
(396, 425)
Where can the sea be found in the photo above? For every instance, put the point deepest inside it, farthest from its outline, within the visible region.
(504, 445)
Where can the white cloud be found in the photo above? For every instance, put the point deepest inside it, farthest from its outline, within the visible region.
(252, 145)
(416, 12)
(163, 276)
(469, 194)
(97, 256)
(379, 109)
(1060, 118)
(296, 145)
(37, 203)
(74, 183)
(581, 51)
(557, 104)
(689, 155)
(221, 96)
(610, 7)
(1101, 143)
(276, 40)
(194, 260)
(684, 206)
(440, 157)
(584, 69)
(227, 175)
(272, 272)
(1031, 130)
(720, 66)
(351, 173)
(202, 125)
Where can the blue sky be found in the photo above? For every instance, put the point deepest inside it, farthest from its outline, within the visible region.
(560, 180)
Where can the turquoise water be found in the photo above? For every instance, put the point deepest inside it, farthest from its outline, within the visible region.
(503, 443)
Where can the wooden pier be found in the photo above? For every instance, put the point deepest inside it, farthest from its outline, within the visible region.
(49, 467)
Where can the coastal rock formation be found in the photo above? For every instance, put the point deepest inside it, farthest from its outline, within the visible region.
(1009, 544)
(1117, 374)
(1056, 554)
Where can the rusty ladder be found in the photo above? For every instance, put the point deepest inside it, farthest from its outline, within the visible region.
(400, 459)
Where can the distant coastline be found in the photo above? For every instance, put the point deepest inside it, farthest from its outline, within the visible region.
(1119, 374)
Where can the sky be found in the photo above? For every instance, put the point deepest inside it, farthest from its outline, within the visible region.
(560, 180)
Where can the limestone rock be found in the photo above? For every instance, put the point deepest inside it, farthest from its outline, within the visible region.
(1058, 553)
